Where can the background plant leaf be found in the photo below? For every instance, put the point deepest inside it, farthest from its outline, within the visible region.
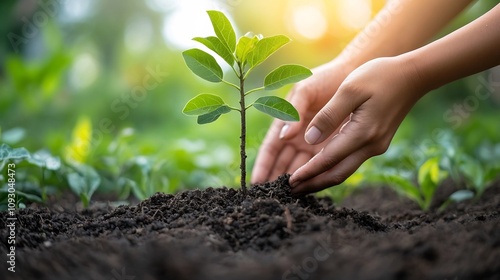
(285, 74)
(203, 65)
(203, 104)
(84, 181)
(429, 178)
(223, 29)
(401, 185)
(6, 153)
(277, 107)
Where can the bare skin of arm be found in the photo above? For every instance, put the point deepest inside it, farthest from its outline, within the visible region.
(402, 25)
(377, 103)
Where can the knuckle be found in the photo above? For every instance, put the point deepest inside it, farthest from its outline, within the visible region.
(300, 87)
(376, 140)
(373, 135)
(327, 162)
(300, 90)
(379, 147)
(337, 179)
(329, 117)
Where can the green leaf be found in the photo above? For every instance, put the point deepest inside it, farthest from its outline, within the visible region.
(223, 29)
(265, 48)
(44, 159)
(430, 171)
(6, 153)
(400, 185)
(203, 65)
(203, 104)
(29, 196)
(473, 172)
(285, 74)
(214, 115)
(429, 178)
(215, 44)
(76, 183)
(244, 46)
(461, 195)
(13, 135)
(84, 181)
(277, 107)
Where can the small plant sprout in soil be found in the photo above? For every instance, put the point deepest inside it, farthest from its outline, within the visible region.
(243, 56)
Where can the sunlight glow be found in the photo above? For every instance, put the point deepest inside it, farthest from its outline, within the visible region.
(354, 14)
(189, 19)
(185, 23)
(309, 21)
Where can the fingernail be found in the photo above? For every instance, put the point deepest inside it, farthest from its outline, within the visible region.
(284, 130)
(292, 181)
(312, 135)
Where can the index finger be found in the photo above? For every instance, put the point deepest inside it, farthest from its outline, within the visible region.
(349, 140)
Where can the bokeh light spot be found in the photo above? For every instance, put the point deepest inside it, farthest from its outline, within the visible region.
(309, 21)
(355, 14)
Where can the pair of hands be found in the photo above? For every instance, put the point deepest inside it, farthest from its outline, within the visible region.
(345, 119)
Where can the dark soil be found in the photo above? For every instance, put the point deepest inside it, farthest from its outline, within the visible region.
(221, 234)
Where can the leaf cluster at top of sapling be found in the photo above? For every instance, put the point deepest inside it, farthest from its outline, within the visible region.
(243, 55)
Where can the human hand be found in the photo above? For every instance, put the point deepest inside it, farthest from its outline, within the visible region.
(284, 149)
(376, 96)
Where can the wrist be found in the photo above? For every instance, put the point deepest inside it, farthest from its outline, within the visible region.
(413, 69)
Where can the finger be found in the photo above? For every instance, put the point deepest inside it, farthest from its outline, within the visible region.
(331, 116)
(298, 161)
(335, 175)
(268, 152)
(349, 140)
(282, 162)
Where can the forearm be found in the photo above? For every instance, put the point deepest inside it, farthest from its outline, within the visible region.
(401, 26)
(469, 50)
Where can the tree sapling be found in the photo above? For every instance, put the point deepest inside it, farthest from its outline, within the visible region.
(242, 55)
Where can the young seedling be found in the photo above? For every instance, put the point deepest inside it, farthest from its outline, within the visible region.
(428, 178)
(243, 56)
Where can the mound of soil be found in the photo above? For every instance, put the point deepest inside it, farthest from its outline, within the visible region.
(267, 234)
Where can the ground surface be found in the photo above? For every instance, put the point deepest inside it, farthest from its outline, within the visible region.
(220, 234)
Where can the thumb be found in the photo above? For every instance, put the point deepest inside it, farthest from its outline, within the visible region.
(331, 116)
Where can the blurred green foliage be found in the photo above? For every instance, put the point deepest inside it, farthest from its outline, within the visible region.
(116, 64)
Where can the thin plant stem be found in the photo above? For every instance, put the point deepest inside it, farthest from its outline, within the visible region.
(231, 84)
(243, 155)
(254, 90)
